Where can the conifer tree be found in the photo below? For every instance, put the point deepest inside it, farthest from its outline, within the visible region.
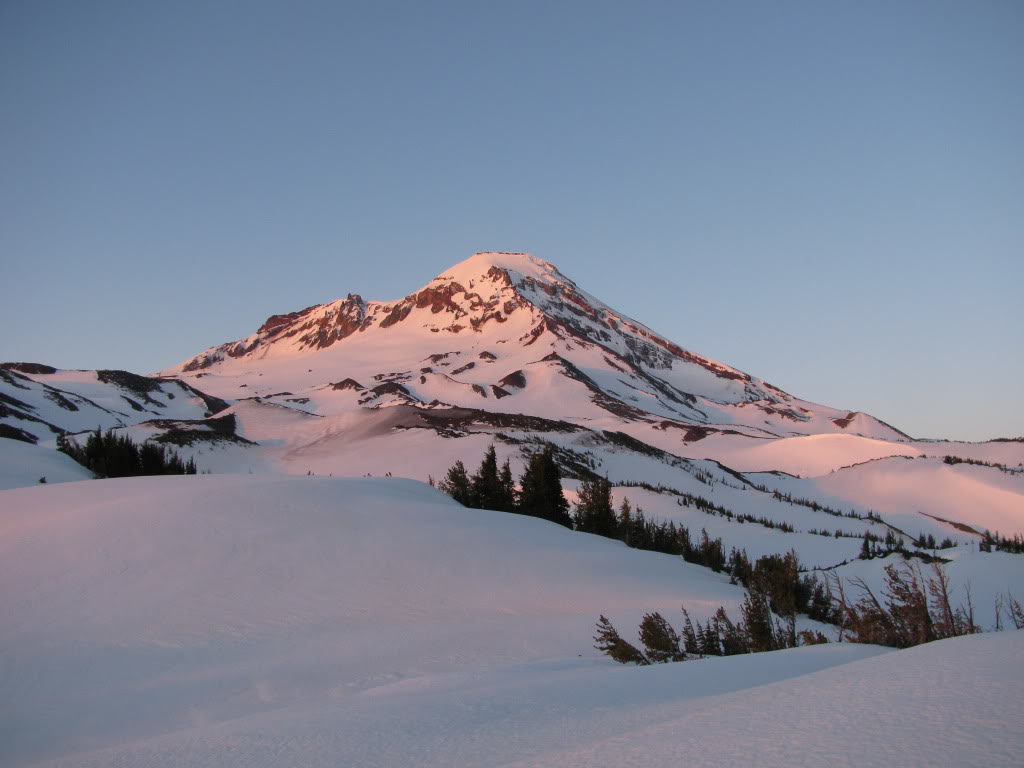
(691, 644)
(594, 512)
(485, 485)
(640, 536)
(112, 455)
(729, 639)
(865, 548)
(708, 639)
(507, 488)
(660, 640)
(757, 621)
(456, 484)
(540, 492)
(608, 642)
(624, 525)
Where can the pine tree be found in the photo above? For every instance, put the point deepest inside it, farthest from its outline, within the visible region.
(507, 488)
(820, 605)
(608, 642)
(708, 640)
(540, 492)
(758, 623)
(112, 455)
(640, 536)
(660, 640)
(729, 638)
(739, 566)
(624, 525)
(594, 512)
(456, 484)
(485, 485)
(690, 642)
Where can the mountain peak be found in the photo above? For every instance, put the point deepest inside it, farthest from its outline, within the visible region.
(482, 262)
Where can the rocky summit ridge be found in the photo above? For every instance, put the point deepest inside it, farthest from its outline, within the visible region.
(517, 314)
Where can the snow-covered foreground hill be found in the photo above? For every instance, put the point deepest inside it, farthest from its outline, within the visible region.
(283, 620)
(23, 464)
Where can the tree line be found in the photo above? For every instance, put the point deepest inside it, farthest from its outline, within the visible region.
(913, 607)
(539, 493)
(778, 577)
(774, 588)
(112, 455)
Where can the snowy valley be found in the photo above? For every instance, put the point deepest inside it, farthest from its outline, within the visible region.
(313, 600)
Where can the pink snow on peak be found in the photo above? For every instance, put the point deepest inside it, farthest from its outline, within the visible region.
(521, 264)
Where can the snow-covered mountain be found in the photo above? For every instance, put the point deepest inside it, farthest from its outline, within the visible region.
(504, 349)
(507, 332)
(39, 402)
(252, 618)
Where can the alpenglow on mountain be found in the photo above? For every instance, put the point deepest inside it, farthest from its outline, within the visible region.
(508, 332)
(503, 349)
(282, 607)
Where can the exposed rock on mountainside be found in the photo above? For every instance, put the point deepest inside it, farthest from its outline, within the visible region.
(514, 311)
(504, 349)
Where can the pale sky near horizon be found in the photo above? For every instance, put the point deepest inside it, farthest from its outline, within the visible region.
(828, 195)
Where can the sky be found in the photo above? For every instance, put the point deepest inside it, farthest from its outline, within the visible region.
(827, 195)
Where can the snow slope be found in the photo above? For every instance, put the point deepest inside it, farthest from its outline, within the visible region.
(919, 494)
(813, 455)
(39, 402)
(138, 606)
(23, 464)
(282, 620)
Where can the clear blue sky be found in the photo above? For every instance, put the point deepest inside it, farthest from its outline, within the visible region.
(829, 195)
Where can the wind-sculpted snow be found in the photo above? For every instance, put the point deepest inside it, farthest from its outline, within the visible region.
(266, 621)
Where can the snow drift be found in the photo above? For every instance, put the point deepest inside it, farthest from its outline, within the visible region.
(248, 620)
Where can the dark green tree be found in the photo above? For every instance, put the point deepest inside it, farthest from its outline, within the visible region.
(485, 485)
(660, 640)
(113, 455)
(758, 623)
(608, 642)
(594, 513)
(624, 524)
(730, 638)
(507, 488)
(456, 484)
(707, 637)
(540, 493)
(691, 644)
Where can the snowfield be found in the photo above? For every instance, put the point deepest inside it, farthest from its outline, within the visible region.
(23, 464)
(288, 620)
(272, 614)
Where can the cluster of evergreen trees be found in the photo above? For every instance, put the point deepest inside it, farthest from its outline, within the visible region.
(953, 460)
(756, 631)
(994, 542)
(913, 608)
(873, 546)
(539, 494)
(112, 455)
